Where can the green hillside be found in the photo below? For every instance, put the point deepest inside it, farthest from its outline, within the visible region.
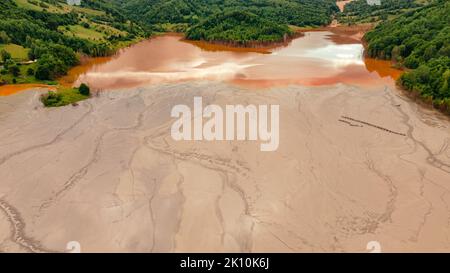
(54, 34)
(419, 41)
(191, 12)
(239, 27)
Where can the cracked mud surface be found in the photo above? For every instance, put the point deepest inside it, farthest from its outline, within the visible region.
(354, 165)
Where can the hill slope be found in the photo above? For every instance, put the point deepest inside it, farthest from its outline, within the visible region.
(53, 33)
(239, 27)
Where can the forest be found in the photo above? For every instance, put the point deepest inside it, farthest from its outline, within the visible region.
(54, 34)
(359, 11)
(419, 41)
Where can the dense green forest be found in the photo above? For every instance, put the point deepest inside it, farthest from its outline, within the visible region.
(419, 41)
(240, 27)
(191, 12)
(359, 11)
(54, 34)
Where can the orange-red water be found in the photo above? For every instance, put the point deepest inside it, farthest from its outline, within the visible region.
(318, 58)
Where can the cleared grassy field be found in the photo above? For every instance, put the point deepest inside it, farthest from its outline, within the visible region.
(18, 53)
(25, 4)
(97, 32)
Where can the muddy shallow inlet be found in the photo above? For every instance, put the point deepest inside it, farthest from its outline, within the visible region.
(357, 161)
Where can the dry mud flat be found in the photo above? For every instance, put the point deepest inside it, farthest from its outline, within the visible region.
(354, 165)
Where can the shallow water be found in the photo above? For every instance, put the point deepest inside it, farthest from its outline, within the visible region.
(317, 58)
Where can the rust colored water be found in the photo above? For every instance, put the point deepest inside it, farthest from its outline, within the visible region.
(318, 58)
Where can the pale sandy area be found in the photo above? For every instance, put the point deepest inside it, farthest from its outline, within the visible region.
(341, 4)
(108, 174)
